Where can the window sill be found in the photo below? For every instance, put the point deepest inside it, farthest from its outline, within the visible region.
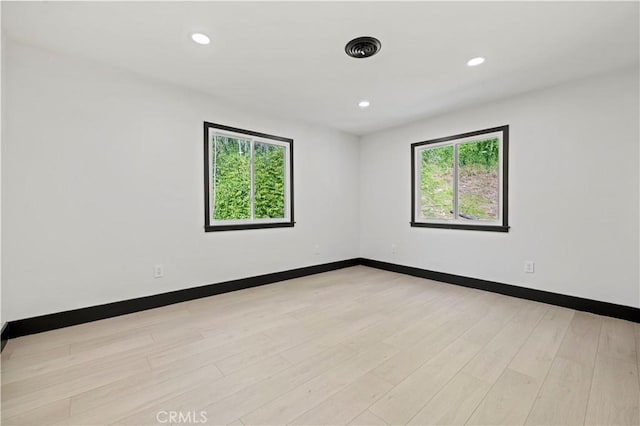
(238, 227)
(490, 228)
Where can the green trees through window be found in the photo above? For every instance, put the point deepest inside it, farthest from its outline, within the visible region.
(269, 180)
(232, 178)
(249, 179)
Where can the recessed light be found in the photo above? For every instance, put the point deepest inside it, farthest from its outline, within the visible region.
(364, 104)
(200, 38)
(475, 61)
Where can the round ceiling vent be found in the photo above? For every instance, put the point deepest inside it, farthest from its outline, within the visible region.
(363, 47)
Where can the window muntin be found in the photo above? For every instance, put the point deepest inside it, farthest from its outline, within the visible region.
(461, 181)
(248, 179)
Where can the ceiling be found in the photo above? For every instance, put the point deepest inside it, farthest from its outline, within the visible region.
(287, 58)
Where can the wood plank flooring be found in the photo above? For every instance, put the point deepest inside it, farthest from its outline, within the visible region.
(355, 346)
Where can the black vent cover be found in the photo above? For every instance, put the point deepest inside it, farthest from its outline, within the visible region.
(363, 47)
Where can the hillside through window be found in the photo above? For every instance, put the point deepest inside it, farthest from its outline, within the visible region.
(461, 181)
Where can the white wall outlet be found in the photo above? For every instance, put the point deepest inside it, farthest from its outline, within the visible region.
(158, 271)
(529, 266)
(394, 248)
(316, 249)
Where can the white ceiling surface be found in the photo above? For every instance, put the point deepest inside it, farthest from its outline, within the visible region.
(288, 58)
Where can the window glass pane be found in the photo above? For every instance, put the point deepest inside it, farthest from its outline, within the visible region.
(436, 183)
(269, 180)
(231, 162)
(478, 180)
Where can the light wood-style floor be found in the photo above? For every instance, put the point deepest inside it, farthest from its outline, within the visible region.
(355, 346)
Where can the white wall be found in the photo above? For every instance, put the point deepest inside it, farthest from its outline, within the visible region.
(102, 178)
(2, 110)
(573, 191)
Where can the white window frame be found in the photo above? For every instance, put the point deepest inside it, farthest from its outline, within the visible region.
(501, 223)
(211, 131)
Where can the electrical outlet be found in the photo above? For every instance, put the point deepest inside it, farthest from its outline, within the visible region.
(316, 249)
(158, 271)
(394, 248)
(529, 266)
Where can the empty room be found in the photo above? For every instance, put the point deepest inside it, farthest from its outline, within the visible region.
(320, 213)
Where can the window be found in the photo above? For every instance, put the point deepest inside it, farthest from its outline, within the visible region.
(248, 179)
(460, 181)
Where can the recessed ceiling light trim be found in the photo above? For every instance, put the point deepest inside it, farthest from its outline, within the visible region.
(473, 62)
(364, 104)
(200, 38)
(363, 47)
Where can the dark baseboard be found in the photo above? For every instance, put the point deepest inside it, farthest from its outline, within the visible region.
(54, 321)
(5, 335)
(48, 322)
(601, 308)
